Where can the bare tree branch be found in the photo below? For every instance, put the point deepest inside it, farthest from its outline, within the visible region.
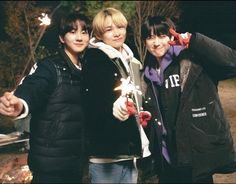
(33, 49)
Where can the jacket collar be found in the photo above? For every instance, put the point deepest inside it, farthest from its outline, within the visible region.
(69, 63)
(112, 52)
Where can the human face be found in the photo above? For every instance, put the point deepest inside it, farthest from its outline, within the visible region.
(158, 45)
(76, 40)
(113, 35)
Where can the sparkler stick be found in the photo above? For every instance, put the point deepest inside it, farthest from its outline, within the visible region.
(127, 89)
(37, 43)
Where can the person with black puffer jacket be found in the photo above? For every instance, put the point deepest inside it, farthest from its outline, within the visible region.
(52, 95)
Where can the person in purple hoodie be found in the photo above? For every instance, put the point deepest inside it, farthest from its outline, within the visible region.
(189, 136)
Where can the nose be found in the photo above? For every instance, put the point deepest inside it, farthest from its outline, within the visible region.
(156, 41)
(79, 36)
(116, 32)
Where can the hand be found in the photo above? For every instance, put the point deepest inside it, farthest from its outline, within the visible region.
(144, 116)
(10, 105)
(130, 107)
(182, 38)
(123, 108)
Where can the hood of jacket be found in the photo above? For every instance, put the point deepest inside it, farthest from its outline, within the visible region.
(114, 53)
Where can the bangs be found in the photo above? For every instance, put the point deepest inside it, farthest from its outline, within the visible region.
(156, 26)
(99, 21)
(156, 29)
(160, 29)
(119, 21)
(80, 23)
(73, 22)
(75, 26)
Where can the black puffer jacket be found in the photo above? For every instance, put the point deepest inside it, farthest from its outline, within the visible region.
(56, 128)
(198, 134)
(108, 137)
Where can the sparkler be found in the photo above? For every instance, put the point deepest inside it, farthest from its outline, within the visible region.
(45, 20)
(128, 89)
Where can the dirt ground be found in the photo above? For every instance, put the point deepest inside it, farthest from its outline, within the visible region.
(227, 91)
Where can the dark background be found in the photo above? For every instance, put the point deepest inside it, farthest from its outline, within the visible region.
(216, 19)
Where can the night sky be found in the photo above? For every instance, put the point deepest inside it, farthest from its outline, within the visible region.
(216, 19)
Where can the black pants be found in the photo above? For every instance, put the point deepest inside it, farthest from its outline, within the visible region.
(56, 178)
(171, 174)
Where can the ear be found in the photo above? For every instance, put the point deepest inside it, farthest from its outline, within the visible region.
(98, 38)
(61, 40)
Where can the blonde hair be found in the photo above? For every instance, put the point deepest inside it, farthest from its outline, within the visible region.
(99, 21)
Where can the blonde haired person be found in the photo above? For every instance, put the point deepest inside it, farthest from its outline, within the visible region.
(115, 137)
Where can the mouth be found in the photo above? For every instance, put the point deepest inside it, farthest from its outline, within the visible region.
(156, 48)
(118, 39)
(79, 45)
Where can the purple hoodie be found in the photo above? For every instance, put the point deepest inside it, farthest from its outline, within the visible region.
(152, 74)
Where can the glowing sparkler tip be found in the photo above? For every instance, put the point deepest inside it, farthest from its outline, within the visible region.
(127, 87)
(45, 20)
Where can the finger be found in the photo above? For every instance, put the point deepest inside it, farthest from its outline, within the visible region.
(172, 42)
(121, 116)
(4, 101)
(174, 33)
(124, 117)
(9, 99)
(121, 111)
(132, 110)
(130, 107)
(8, 95)
(14, 100)
(7, 111)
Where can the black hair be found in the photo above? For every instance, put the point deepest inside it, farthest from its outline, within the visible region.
(68, 23)
(157, 25)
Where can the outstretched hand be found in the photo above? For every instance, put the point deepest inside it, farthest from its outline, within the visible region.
(182, 38)
(10, 105)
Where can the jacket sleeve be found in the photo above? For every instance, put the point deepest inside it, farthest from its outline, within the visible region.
(213, 54)
(36, 88)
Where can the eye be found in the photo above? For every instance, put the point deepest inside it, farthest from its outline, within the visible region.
(108, 29)
(150, 37)
(163, 36)
(73, 31)
(84, 32)
(120, 27)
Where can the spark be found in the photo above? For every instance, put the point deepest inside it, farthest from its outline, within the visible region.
(127, 87)
(45, 20)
